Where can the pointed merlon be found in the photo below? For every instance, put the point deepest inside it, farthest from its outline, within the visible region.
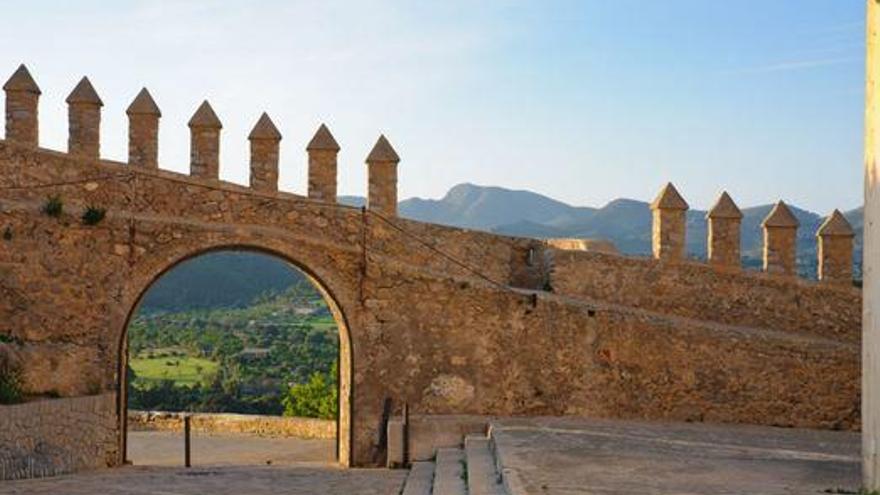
(205, 117)
(382, 152)
(323, 141)
(143, 104)
(781, 216)
(84, 92)
(724, 208)
(669, 199)
(836, 225)
(265, 129)
(22, 81)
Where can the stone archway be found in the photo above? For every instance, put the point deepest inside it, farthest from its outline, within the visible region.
(345, 367)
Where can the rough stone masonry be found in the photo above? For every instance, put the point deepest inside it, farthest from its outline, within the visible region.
(446, 320)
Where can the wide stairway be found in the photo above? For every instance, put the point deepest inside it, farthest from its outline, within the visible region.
(457, 471)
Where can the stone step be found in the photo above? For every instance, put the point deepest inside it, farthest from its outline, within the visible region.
(449, 476)
(482, 477)
(420, 479)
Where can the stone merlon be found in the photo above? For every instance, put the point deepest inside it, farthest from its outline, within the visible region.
(780, 241)
(382, 189)
(835, 250)
(143, 104)
(723, 240)
(22, 81)
(724, 207)
(323, 140)
(383, 152)
(668, 224)
(265, 129)
(322, 150)
(22, 102)
(780, 216)
(836, 225)
(84, 93)
(669, 199)
(205, 118)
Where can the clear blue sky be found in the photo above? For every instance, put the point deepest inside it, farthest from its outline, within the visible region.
(582, 100)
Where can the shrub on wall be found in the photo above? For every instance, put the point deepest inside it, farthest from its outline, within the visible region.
(10, 387)
(93, 215)
(53, 206)
(10, 376)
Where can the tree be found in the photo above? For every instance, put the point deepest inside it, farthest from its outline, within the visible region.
(317, 398)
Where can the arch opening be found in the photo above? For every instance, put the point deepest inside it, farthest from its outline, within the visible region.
(236, 330)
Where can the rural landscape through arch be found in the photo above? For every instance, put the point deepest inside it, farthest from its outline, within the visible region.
(163, 372)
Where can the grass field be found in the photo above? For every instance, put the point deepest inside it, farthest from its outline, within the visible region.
(182, 370)
(323, 322)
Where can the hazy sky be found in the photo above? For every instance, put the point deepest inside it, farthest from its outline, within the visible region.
(582, 100)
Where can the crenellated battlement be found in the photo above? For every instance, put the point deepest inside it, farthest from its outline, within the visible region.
(669, 208)
(834, 238)
(84, 136)
(521, 326)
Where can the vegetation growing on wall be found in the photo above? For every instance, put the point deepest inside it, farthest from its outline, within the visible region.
(93, 215)
(10, 377)
(53, 206)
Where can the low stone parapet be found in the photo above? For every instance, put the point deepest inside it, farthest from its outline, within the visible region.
(58, 436)
(267, 426)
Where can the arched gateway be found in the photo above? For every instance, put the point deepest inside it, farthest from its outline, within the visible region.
(443, 320)
(289, 254)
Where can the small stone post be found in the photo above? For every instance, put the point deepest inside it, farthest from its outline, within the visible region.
(84, 121)
(265, 142)
(143, 131)
(22, 97)
(322, 150)
(724, 232)
(780, 238)
(835, 250)
(669, 212)
(382, 162)
(204, 155)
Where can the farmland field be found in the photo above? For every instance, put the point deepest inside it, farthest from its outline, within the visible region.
(182, 370)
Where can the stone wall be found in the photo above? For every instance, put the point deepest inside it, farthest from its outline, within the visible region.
(473, 349)
(446, 320)
(56, 436)
(701, 292)
(268, 426)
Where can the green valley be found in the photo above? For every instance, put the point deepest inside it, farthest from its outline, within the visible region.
(274, 354)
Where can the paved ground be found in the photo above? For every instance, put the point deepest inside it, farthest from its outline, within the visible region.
(550, 456)
(160, 448)
(233, 464)
(568, 456)
(228, 480)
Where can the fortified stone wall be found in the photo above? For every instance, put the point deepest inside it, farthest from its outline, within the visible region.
(58, 436)
(526, 353)
(442, 319)
(701, 292)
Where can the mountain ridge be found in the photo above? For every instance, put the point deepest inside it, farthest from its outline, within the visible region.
(625, 222)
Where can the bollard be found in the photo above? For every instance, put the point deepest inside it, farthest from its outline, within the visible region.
(405, 434)
(186, 441)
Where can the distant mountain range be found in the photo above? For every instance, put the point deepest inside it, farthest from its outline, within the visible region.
(230, 279)
(625, 222)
